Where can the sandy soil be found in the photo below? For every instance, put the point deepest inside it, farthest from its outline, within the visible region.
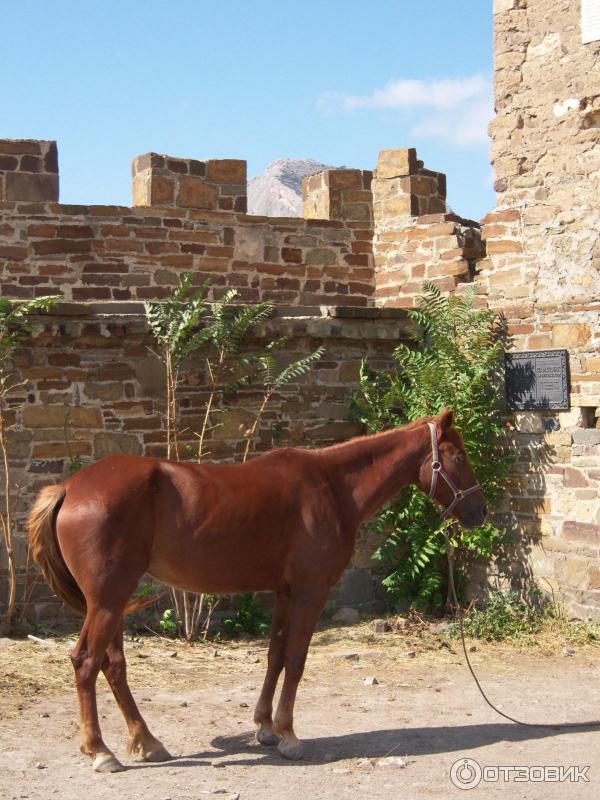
(424, 708)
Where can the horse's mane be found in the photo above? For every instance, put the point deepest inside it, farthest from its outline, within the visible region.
(417, 423)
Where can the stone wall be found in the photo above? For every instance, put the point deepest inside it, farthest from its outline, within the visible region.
(90, 387)
(543, 271)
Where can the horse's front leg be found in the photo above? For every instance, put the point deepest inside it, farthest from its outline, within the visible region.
(276, 659)
(307, 605)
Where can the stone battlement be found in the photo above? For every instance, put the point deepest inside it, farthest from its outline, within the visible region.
(190, 215)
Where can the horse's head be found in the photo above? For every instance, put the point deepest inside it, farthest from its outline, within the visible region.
(447, 476)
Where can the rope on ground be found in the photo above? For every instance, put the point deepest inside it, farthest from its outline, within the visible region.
(595, 723)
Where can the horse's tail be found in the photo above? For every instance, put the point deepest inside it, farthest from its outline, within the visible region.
(45, 551)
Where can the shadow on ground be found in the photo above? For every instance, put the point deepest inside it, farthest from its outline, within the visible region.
(234, 750)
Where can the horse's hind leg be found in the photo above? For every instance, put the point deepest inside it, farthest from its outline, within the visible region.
(264, 708)
(115, 669)
(87, 657)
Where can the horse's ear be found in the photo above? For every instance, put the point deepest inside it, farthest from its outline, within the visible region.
(445, 420)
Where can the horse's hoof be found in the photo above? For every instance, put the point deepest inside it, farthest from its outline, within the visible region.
(106, 762)
(290, 749)
(267, 737)
(161, 754)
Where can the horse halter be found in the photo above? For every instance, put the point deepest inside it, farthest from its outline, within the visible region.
(437, 469)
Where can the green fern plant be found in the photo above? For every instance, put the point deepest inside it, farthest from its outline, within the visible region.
(453, 360)
(273, 381)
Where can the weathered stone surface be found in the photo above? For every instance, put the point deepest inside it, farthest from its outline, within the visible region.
(396, 163)
(586, 436)
(106, 443)
(59, 416)
(570, 335)
(226, 171)
(529, 422)
(31, 187)
(195, 193)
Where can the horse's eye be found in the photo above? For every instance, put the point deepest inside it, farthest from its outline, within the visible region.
(459, 459)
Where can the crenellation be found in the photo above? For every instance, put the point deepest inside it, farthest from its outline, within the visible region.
(165, 181)
(28, 170)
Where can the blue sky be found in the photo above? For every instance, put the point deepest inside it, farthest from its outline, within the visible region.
(334, 81)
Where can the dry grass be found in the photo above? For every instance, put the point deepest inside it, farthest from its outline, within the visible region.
(29, 670)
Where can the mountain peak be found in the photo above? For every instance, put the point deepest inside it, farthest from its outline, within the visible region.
(278, 191)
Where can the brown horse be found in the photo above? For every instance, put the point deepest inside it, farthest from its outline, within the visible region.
(286, 521)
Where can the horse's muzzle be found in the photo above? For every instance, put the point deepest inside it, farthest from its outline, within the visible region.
(472, 517)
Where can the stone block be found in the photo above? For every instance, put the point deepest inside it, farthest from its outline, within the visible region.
(592, 364)
(396, 207)
(396, 163)
(320, 255)
(150, 374)
(571, 418)
(64, 449)
(586, 436)
(570, 335)
(529, 422)
(574, 478)
(106, 443)
(195, 193)
(36, 188)
(349, 371)
(500, 6)
(161, 191)
(581, 532)
(226, 171)
(344, 178)
(18, 443)
(235, 424)
(22, 146)
(59, 416)
(593, 577)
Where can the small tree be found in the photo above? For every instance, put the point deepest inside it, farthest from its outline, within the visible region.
(229, 364)
(14, 327)
(187, 327)
(454, 361)
(175, 326)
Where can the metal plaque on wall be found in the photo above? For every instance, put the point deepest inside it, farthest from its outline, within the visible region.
(537, 380)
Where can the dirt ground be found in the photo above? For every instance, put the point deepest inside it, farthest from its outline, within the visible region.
(424, 708)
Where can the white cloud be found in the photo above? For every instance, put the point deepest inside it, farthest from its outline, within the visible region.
(462, 107)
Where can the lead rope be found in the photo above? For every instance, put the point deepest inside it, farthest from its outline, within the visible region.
(459, 615)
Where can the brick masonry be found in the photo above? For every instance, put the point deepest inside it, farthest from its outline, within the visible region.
(415, 238)
(90, 387)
